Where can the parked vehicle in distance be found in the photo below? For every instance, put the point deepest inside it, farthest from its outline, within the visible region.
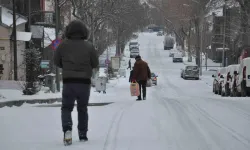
(232, 85)
(154, 78)
(227, 80)
(190, 71)
(133, 44)
(243, 78)
(134, 52)
(168, 43)
(216, 81)
(177, 57)
(160, 33)
(172, 52)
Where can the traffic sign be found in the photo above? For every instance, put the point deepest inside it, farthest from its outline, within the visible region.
(56, 43)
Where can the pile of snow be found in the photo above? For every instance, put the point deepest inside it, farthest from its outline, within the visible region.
(11, 95)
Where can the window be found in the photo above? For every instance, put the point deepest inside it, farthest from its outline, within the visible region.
(1, 68)
(2, 48)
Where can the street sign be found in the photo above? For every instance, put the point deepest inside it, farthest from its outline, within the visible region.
(56, 43)
(44, 64)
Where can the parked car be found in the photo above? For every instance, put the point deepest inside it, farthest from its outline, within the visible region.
(233, 86)
(243, 78)
(154, 78)
(227, 80)
(190, 71)
(133, 44)
(177, 57)
(171, 53)
(223, 74)
(216, 82)
(160, 33)
(134, 52)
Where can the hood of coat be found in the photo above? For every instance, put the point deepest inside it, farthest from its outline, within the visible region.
(76, 30)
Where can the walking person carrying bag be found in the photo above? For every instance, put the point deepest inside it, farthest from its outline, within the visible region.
(141, 74)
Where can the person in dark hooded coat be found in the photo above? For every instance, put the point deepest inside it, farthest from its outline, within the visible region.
(77, 57)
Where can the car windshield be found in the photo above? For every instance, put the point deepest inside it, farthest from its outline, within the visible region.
(133, 43)
(191, 67)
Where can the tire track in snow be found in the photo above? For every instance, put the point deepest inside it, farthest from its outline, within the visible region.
(234, 108)
(114, 128)
(189, 127)
(230, 131)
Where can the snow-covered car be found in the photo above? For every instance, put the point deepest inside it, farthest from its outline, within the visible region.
(190, 71)
(227, 80)
(243, 78)
(177, 57)
(219, 80)
(216, 82)
(171, 54)
(133, 44)
(134, 52)
(160, 33)
(154, 78)
(232, 85)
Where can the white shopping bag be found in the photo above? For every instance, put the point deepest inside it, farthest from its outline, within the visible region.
(149, 83)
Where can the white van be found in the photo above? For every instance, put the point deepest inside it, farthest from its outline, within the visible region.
(227, 80)
(243, 80)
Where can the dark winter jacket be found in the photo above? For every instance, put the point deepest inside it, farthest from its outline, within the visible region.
(141, 70)
(75, 55)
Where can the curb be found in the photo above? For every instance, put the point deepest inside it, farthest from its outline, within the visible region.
(35, 101)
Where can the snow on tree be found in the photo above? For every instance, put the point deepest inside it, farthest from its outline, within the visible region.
(32, 61)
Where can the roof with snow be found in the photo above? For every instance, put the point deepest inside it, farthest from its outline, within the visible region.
(217, 6)
(6, 17)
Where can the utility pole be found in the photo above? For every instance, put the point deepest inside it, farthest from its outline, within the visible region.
(201, 50)
(224, 36)
(14, 40)
(57, 9)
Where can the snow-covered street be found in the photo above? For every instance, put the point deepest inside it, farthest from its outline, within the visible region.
(177, 115)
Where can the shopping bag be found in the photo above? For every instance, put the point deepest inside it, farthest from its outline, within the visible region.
(149, 83)
(134, 89)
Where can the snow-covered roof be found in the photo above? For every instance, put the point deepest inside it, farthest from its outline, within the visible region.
(6, 17)
(23, 36)
(49, 36)
(217, 7)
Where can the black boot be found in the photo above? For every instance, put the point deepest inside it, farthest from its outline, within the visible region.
(83, 136)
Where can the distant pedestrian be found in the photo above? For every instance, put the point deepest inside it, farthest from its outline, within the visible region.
(129, 64)
(141, 73)
(131, 75)
(77, 57)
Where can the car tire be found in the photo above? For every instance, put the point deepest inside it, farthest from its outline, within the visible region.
(197, 78)
(215, 92)
(243, 92)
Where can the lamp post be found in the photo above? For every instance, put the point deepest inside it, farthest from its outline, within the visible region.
(14, 40)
